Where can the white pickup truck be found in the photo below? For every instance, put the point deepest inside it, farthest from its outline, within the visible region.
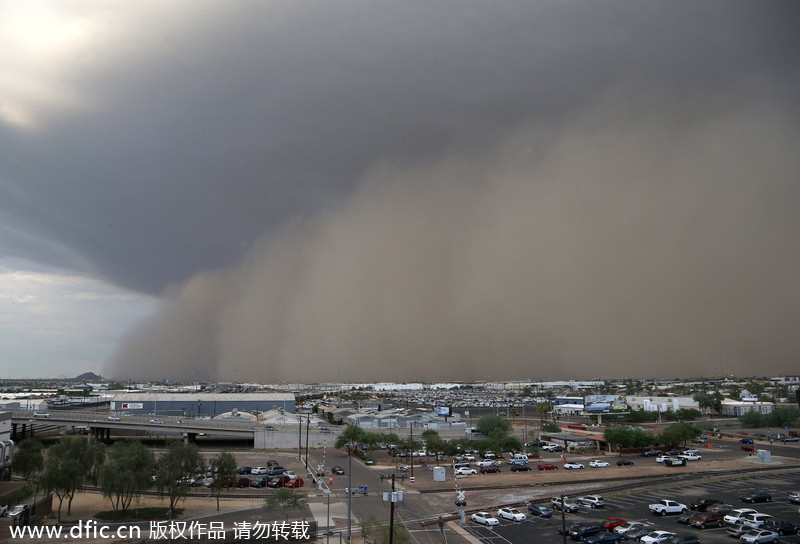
(665, 506)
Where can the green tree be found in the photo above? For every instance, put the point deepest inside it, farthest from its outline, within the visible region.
(680, 433)
(493, 426)
(783, 416)
(174, 469)
(627, 437)
(28, 458)
(542, 408)
(551, 427)
(223, 467)
(126, 473)
(353, 434)
(752, 418)
(285, 498)
(400, 536)
(71, 462)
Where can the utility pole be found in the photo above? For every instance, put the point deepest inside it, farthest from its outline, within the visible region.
(563, 520)
(300, 439)
(308, 424)
(391, 515)
(411, 423)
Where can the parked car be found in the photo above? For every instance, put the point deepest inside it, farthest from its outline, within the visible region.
(691, 451)
(464, 471)
(737, 516)
(685, 518)
(624, 463)
(547, 466)
(611, 523)
(707, 519)
(794, 496)
(568, 505)
(757, 497)
(511, 513)
(588, 529)
(18, 511)
(275, 471)
(273, 463)
(703, 503)
(553, 448)
(747, 441)
(336, 469)
(568, 466)
(245, 470)
(781, 526)
(294, 481)
(723, 509)
(673, 452)
(756, 520)
(654, 537)
(690, 456)
(595, 501)
(259, 470)
(636, 533)
(666, 506)
(243, 482)
(258, 482)
(631, 527)
(603, 538)
(663, 458)
(520, 468)
(756, 536)
(484, 518)
(488, 469)
(539, 510)
(597, 463)
(651, 453)
(278, 481)
(683, 539)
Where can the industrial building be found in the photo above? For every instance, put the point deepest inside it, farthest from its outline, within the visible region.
(201, 404)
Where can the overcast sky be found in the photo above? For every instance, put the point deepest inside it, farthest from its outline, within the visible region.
(313, 190)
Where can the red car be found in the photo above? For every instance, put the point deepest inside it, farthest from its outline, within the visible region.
(610, 523)
(487, 470)
(294, 482)
(547, 466)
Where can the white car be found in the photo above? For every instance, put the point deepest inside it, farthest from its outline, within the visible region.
(487, 463)
(511, 513)
(467, 457)
(737, 516)
(290, 473)
(663, 458)
(156, 422)
(595, 501)
(113, 418)
(690, 456)
(572, 465)
(656, 536)
(258, 470)
(756, 520)
(759, 535)
(691, 451)
(484, 518)
(597, 463)
(465, 471)
(41, 414)
(630, 526)
(794, 496)
(664, 507)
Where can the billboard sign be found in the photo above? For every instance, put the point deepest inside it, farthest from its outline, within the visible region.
(749, 397)
(132, 406)
(444, 411)
(605, 403)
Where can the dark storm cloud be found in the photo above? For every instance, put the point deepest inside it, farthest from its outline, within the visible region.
(249, 136)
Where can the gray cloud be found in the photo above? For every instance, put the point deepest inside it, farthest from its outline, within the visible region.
(193, 148)
(625, 250)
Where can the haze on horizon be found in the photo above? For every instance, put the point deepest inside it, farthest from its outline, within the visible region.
(308, 191)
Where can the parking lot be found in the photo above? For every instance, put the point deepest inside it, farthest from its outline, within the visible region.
(634, 506)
